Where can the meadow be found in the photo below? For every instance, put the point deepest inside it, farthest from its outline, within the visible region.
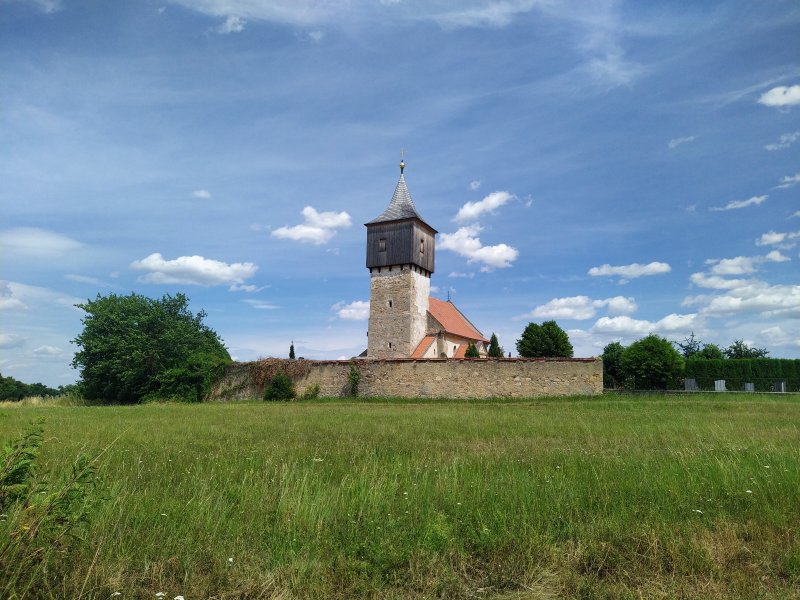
(614, 497)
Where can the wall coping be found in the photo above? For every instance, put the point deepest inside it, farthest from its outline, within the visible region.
(427, 360)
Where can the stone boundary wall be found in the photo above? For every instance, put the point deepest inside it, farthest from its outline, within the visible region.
(432, 378)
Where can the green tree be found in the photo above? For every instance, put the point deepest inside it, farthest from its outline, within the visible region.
(710, 352)
(472, 351)
(738, 349)
(13, 389)
(612, 365)
(495, 351)
(134, 348)
(690, 346)
(280, 387)
(291, 351)
(652, 363)
(547, 339)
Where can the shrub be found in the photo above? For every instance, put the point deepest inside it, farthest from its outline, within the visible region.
(280, 387)
(652, 363)
(472, 351)
(310, 392)
(353, 379)
(763, 372)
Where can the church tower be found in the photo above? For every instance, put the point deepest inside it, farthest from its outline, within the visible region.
(400, 253)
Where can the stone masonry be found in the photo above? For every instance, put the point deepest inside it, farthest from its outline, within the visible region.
(435, 378)
(398, 316)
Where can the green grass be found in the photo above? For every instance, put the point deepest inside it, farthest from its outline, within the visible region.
(657, 497)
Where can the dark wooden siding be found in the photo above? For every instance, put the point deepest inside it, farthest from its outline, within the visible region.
(402, 246)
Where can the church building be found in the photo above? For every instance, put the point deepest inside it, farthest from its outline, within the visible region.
(404, 321)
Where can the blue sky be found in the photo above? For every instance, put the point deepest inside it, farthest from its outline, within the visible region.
(619, 167)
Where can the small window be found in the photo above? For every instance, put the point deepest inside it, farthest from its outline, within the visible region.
(390, 345)
(390, 304)
(422, 246)
(382, 245)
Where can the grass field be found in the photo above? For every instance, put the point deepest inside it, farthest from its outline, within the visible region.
(619, 497)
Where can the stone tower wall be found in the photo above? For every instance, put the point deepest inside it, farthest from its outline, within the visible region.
(404, 322)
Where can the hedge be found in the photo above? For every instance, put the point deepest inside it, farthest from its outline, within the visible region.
(762, 372)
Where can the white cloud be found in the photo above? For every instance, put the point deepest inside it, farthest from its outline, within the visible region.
(36, 243)
(786, 140)
(474, 185)
(627, 327)
(795, 214)
(316, 36)
(10, 340)
(7, 299)
(582, 307)
(776, 336)
(47, 351)
(631, 271)
(740, 265)
(492, 14)
(18, 296)
(192, 270)
(357, 310)
(734, 204)
(715, 282)
(232, 24)
(771, 238)
(260, 304)
(202, 194)
(789, 181)
(781, 96)
(674, 143)
(319, 227)
(465, 242)
(459, 274)
(776, 256)
(472, 210)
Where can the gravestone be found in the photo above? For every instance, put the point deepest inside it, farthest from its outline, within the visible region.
(719, 385)
(690, 385)
(749, 387)
(779, 386)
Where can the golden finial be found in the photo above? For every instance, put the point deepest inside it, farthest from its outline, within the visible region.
(402, 163)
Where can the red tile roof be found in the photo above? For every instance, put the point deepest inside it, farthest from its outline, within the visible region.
(461, 351)
(423, 346)
(453, 321)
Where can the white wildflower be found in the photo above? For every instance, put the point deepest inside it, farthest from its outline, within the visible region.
(749, 491)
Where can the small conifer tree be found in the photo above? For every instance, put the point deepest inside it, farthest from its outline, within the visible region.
(495, 351)
(472, 351)
(291, 351)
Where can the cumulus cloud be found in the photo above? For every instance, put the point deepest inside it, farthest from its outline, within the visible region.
(789, 181)
(771, 238)
(193, 270)
(628, 327)
(7, 299)
(36, 243)
(357, 310)
(743, 265)
(786, 140)
(582, 307)
(472, 210)
(781, 96)
(674, 143)
(631, 271)
(10, 340)
(319, 227)
(232, 24)
(465, 242)
(202, 194)
(735, 204)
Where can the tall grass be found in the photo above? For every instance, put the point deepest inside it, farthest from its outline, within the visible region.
(666, 497)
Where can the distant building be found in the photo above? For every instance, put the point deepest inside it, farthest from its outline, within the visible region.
(404, 321)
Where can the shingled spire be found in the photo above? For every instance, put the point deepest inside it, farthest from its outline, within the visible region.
(401, 206)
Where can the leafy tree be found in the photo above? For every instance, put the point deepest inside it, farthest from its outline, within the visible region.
(612, 365)
(495, 351)
(291, 351)
(690, 346)
(472, 351)
(710, 352)
(652, 363)
(547, 339)
(134, 348)
(280, 387)
(738, 349)
(13, 389)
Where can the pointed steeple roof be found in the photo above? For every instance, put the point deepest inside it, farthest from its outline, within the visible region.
(401, 206)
